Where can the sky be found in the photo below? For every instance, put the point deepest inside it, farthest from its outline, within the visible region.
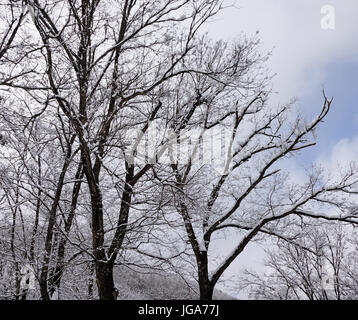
(307, 59)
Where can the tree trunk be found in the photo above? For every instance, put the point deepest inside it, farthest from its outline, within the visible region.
(206, 287)
(104, 268)
(206, 290)
(90, 283)
(55, 279)
(105, 283)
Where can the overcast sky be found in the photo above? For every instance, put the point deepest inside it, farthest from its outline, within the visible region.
(306, 59)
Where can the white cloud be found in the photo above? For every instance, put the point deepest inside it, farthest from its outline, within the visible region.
(302, 51)
(335, 161)
(293, 27)
(341, 155)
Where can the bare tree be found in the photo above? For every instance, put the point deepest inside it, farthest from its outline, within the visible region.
(12, 16)
(37, 160)
(321, 265)
(105, 67)
(254, 197)
(79, 78)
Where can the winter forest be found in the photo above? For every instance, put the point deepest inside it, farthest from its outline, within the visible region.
(135, 147)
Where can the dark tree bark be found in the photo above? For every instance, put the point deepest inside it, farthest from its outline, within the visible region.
(105, 283)
(51, 223)
(55, 279)
(206, 288)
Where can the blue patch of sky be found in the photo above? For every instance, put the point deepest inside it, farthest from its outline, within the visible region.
(341, 82)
